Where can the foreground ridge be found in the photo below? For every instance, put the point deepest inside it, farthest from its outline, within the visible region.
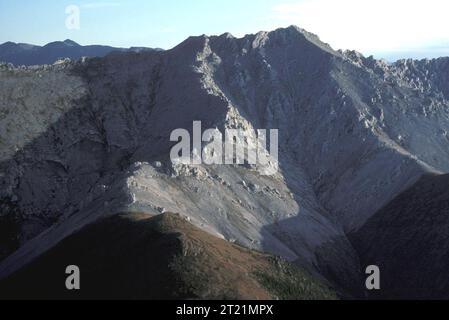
(137, 256)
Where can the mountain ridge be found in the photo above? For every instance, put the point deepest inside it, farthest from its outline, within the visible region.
(175, 261)
(27, 54)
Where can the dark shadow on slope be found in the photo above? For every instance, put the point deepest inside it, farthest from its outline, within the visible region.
(409, 240)
(118, 258)
(136, 256)
(335, 262)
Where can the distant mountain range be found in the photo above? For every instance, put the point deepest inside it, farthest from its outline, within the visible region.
(28, 54)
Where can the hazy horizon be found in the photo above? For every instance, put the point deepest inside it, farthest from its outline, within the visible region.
(403, 29)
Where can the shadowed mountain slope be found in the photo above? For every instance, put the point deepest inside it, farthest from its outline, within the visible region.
(136, 256)
(408, 240)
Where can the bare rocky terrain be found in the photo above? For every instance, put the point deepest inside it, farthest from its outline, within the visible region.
(82, 140)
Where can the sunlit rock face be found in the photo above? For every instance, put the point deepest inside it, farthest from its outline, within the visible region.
(83, 139)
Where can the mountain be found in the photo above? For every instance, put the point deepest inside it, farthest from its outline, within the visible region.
(200, 266)
(354, 133)
(25, 54)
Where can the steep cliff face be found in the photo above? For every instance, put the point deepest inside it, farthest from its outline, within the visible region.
(82, 139)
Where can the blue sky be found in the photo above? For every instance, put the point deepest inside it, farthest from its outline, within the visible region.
(385, 28)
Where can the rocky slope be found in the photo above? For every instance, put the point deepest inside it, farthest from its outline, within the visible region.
(136, 256)
(84, 139)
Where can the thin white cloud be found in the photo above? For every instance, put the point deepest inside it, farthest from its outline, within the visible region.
(369, 26)
(96, 5)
